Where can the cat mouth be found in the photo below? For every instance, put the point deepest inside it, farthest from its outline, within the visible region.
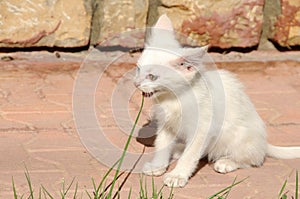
(149, 94)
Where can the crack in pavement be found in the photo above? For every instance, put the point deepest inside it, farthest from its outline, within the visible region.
(284, 124)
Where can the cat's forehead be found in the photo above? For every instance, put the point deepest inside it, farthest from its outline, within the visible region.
(156, 57)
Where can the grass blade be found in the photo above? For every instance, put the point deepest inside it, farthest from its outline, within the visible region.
(94, 184)
(227, 188)
(297, 186)
(105, 176)
(96, 189)
(154, 194)
(29, 184)
(88, 194)
(76, 189)
(225, 195)
(118, 193)
(63, 189)
(47, 193)
(40, 193)
(284, 196)
(142, 193)
(14, 189)
(171, 193)
(282, 189)
(129, 194)
(145, 187)
(161, 189)
(125, 149)
(68, 188)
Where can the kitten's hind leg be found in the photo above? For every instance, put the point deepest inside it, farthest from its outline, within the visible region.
(225, 165)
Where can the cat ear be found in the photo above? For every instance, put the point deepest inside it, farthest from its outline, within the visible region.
(164, 22)
(194, 56)
(163, 35)
(194, 53)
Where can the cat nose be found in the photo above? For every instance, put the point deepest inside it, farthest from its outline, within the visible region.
(137, 84)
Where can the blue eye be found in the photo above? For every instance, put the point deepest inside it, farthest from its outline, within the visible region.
(152, 77)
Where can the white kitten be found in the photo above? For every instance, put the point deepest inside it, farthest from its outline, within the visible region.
(207, 110)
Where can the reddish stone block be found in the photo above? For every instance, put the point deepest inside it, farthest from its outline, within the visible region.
(286, 30)
(223, 24)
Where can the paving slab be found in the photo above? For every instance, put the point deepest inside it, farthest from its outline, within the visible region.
(38, 132)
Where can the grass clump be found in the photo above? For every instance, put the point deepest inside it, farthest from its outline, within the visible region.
(283, 194)
(156, 194)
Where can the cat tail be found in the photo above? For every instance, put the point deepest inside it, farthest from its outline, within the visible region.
(283, 152)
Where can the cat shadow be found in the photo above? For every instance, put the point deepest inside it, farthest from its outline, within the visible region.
(146, 134)
(200, 165)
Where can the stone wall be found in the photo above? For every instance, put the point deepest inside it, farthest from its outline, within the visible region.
(80, 23)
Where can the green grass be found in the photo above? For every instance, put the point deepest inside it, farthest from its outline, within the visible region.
(283, 194)
(100, 192)
(223, 194)
(156, 194)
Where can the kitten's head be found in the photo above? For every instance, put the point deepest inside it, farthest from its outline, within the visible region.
(164, 65)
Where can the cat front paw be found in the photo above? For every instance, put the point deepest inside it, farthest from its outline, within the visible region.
(175, 180)
(152, 169)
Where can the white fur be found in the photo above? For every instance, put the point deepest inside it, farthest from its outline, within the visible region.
(186, 96)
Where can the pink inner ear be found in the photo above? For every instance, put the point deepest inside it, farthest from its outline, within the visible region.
(164, 23)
